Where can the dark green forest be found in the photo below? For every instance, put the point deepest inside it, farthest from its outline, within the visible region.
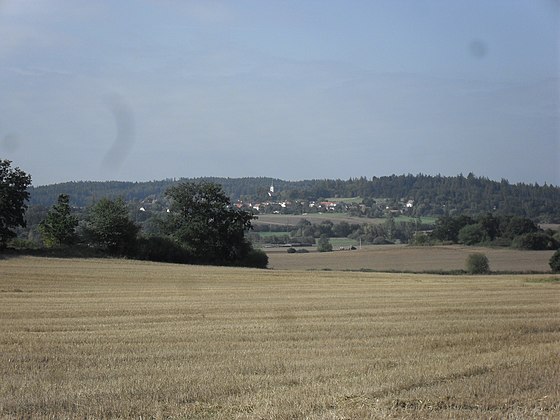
(432, 195)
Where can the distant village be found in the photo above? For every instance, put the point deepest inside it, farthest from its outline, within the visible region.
(345, 205)
(272, 204)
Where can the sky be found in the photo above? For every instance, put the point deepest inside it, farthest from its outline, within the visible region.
(139, 90)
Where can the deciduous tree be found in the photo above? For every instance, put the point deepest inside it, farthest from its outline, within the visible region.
(13, 197)
(554, 262)
(202, 219)
(472, 234)
(59, 226)
(110, 228)
(447, 228)
(324, 244)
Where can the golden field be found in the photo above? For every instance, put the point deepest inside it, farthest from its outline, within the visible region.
(127, 339)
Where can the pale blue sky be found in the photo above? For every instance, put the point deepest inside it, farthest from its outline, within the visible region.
(150, 89)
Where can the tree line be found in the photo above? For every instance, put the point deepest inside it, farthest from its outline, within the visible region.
(493, 230)
(196, 222)
(200, 227)
(304, 231)
(432, 195)
(485, 230)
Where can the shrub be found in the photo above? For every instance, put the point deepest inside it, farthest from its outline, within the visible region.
(477, 264)
(501, 241)
(535, 241)
(255, 258)
(19, 243)
(555, 262)
(420, 239)
(380, 240)
(324, 244)
(472, 234)
(162, 249)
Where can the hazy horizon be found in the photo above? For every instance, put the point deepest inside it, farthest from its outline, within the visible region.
(147, 90)
(369, 178)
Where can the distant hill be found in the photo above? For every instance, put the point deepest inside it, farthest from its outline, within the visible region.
(432, 195)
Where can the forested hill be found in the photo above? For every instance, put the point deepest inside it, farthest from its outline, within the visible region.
(432, 195)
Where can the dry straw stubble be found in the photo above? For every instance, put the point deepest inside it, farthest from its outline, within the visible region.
(111, 338)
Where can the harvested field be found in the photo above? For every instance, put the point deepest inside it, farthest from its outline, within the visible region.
(409, 258)
(124, 339)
